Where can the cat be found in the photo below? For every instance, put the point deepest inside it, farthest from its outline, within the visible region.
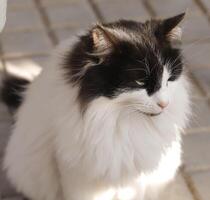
(103, 120)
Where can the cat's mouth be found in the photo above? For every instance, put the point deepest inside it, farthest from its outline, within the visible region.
(150, 114)
(153, 114)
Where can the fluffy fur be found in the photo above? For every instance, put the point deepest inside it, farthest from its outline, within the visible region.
(76, 141)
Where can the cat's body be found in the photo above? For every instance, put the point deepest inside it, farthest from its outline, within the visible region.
(76, 143)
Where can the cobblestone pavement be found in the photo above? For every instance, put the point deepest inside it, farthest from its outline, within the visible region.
(34, 27)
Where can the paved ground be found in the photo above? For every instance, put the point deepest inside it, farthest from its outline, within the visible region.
(35, 26)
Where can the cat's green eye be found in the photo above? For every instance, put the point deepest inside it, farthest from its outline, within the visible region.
(140, 83)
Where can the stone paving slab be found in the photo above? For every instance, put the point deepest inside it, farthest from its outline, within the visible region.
(113, 10)
(25, 44)
(197, 53)
(194, 16)
(196, 151)
(21, 4)
(206, 4)
(19, 20)
(197, 93)
(74, 14)
(46, 3)
(192, 33)
(66, 33)
(201, 182)
(200, 114)
(171, 7)
(202, 75)
(14, 198)
(177, 190)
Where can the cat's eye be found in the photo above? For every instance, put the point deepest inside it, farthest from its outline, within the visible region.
(140, 83)
(171, 78)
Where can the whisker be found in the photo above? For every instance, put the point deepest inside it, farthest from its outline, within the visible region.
(147, 65)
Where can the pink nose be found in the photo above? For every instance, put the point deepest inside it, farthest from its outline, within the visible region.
(163, 104)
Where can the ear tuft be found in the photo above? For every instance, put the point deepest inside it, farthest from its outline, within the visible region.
(103, 39)
(98, 36)
(175, 34)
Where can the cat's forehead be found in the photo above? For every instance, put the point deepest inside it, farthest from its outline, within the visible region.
(136, 39)
(133, 26)
(133, 30)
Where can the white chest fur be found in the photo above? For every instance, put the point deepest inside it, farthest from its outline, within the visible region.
(119, 151)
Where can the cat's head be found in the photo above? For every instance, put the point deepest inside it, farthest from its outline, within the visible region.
(129, 62)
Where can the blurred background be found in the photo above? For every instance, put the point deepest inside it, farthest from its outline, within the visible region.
(34, 27)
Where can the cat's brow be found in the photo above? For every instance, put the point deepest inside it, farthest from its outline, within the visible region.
(146, 65)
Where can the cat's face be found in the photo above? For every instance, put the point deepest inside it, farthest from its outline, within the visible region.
(150, 99)
(130, 63)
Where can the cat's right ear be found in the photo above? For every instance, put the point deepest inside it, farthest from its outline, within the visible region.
(169, 28)
(103, 39)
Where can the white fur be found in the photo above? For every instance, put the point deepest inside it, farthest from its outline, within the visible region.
(111, 151)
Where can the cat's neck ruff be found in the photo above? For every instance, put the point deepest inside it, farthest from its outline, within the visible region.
(117, 132)
(121, 143)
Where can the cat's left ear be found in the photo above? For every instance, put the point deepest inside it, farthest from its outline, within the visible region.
(103, 39)
(170, 29)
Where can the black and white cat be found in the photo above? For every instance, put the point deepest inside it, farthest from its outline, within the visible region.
(103, 120)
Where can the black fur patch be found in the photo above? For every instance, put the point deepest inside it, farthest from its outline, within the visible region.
(11, 92)
(129, 60)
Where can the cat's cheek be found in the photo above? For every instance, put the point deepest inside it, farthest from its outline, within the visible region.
(171, 89)
(137, 96)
